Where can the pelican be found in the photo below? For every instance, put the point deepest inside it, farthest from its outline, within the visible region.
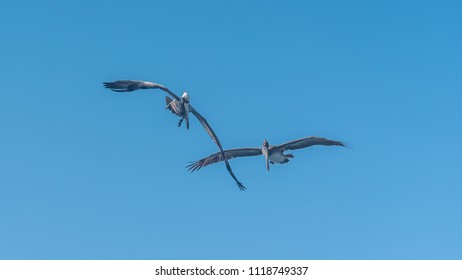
(273, 154)
(178, 105)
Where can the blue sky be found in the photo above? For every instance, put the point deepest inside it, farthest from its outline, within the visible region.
(86, 173)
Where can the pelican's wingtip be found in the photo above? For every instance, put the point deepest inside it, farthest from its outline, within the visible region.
(348, 145)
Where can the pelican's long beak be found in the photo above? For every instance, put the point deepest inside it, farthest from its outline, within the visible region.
(265, 153)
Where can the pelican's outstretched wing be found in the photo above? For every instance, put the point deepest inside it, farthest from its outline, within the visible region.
(131, 85)
(308, 142)
(215, 139)
(229, 154)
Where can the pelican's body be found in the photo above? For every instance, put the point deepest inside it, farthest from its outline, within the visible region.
(180, 106)
(272, 154)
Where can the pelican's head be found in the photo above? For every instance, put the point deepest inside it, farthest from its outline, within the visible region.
(185, 97)
(264, 150)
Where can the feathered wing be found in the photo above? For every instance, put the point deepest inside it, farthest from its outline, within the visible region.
(172, 105)
(229, 154)
(132, 85)
(308, 142)
(215, 139)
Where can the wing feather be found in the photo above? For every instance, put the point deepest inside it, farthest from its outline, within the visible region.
(308, 142)
(215, 139)
(217, 157)
(132, 85)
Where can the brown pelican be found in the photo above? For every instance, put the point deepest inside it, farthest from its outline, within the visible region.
(178, 105)
(273, 154)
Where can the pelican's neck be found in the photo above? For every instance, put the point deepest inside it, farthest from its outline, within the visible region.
(264, 151)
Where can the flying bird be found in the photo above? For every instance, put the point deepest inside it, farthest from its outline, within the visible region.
(179, 106)
(273, 154)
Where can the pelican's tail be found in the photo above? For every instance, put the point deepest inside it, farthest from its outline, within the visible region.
(287, 156)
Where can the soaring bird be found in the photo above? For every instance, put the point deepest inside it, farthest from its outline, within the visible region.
(178, 105)
(273, 154)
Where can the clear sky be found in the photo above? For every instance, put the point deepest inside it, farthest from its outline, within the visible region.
(86, 173)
